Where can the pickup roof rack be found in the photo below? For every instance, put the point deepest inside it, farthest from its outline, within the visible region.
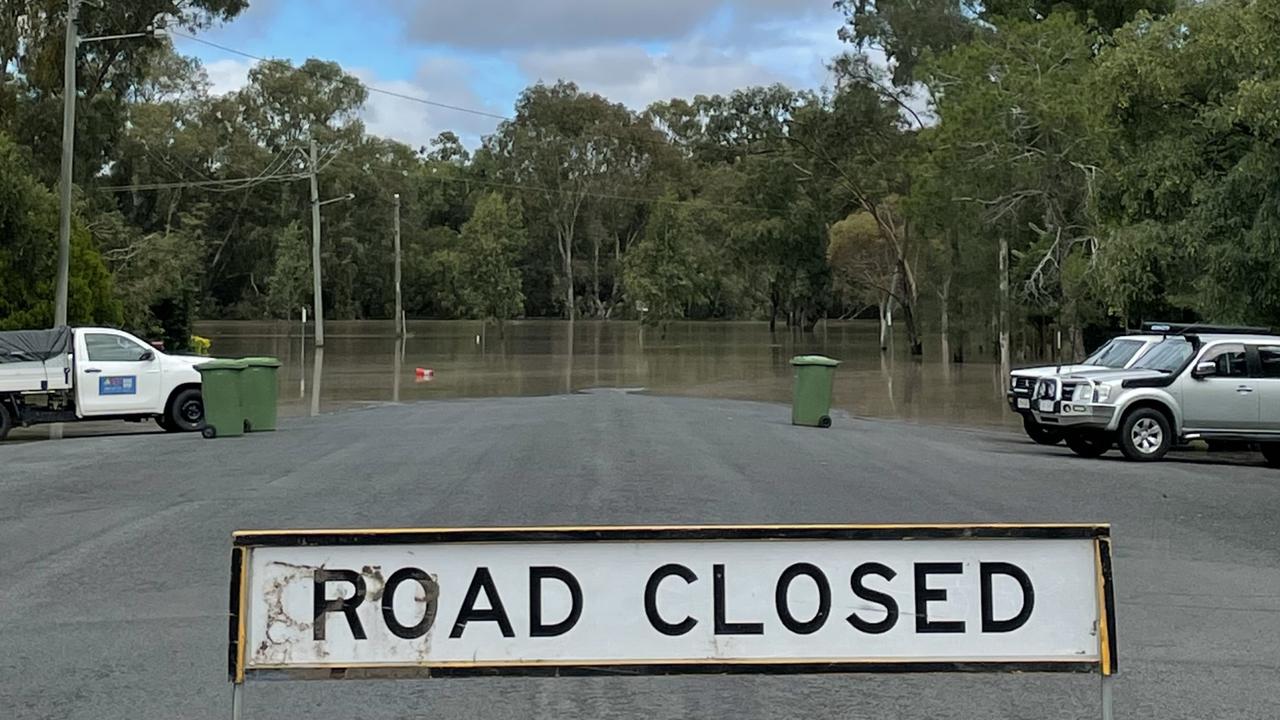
(1163, 328)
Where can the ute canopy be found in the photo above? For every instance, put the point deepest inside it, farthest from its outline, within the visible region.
(34, 345)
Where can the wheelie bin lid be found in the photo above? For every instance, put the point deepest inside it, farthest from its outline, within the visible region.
(814, 360)
(222, 364)
(261, 362)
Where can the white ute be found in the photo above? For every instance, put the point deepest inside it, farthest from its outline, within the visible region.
(72, 375)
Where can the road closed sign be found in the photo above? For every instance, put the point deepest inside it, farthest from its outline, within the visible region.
(388, 603)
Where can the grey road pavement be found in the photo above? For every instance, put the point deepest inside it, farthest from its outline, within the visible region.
(114, 552)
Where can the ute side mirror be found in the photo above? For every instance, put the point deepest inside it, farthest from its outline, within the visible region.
(147, 356)
(1205, 369)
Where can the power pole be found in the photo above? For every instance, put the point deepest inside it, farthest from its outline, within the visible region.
(318, 307)
(399, 305)
(68, 150)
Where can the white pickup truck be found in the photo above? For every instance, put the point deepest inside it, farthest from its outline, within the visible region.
(72, 375)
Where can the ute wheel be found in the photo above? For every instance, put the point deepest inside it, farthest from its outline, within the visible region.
(1271, 451)
(1145, 435)
(824, 422)
(208, 433)
(6, 421)
(1088, 444)
(1040, 434)
(185, 413)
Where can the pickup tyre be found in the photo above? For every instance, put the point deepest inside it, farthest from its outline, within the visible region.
(1271, 451)
(1145, 434)
(185, 412)
(1040, 434)
(1089, 444)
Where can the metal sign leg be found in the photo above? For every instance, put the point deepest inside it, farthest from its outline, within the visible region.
(1107, 712)
(237, 700)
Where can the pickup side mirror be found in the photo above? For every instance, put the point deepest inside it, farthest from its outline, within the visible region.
(1205, 369)
(147, 356)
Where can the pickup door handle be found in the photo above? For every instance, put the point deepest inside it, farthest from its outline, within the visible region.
(92, 370)
(1244, 389)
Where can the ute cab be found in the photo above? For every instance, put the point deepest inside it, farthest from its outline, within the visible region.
(70, 375)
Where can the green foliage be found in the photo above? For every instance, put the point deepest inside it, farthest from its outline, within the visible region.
(1123, 150)
(659, 272)
(29, 255)
(289, 286)
(1194, 182)
(489, 279)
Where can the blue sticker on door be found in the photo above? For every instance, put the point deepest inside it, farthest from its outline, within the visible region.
(118, 385)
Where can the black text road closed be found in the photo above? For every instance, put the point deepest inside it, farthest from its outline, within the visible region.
(673, 599)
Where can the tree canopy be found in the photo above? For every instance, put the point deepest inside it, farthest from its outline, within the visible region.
(998, 172)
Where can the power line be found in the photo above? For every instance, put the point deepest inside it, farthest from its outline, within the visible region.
(525, 187)
(245, 182)
(248, 182)
(370, 88)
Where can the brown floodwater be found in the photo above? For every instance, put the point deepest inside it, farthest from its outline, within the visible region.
(363, 363)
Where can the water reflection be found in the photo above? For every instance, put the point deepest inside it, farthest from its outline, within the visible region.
(740, 360)
(317, 375)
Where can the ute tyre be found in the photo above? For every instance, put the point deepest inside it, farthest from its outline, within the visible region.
(1145, 435)
(1088, 445)
(1271, 451)
(1040, 434)
(6, 421)
(186, 412)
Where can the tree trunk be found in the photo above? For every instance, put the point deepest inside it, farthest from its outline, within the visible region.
(908, 302)
(883, 314)
(1003, 321)
(944, 297)
(566, 255)
(595, 275)
(773, 306)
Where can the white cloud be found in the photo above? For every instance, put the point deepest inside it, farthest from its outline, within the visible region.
(542, 24)
(227, 75)
(635, 77)
(415, 123)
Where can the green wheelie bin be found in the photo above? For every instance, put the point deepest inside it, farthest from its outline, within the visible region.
(811, 402)
(258, 393)
(220, 387)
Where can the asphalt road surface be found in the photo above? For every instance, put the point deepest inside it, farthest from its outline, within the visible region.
(114, 553)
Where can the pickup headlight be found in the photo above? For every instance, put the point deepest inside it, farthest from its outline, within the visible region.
(1101, 392)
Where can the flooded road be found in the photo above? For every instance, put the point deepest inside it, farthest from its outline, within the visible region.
(363, 363)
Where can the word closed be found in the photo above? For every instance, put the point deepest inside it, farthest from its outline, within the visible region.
(670, 602)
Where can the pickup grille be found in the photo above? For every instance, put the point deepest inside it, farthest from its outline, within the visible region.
(1069, 390)
(1047, 390)
(1023, 383)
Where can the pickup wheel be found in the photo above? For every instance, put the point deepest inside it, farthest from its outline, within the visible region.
(1089, 444)
(1271, 451)
(1040, 434)
(1145, 435)
(185, 413)
(6, 421)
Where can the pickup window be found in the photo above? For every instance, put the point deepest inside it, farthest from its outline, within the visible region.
(1270, 359)
(112, 348)
(1230, 359)
(1115, 354)
(1167, 356)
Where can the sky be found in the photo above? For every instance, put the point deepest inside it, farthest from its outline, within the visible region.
(481, 53)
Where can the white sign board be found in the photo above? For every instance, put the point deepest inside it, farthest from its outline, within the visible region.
(670, 600)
